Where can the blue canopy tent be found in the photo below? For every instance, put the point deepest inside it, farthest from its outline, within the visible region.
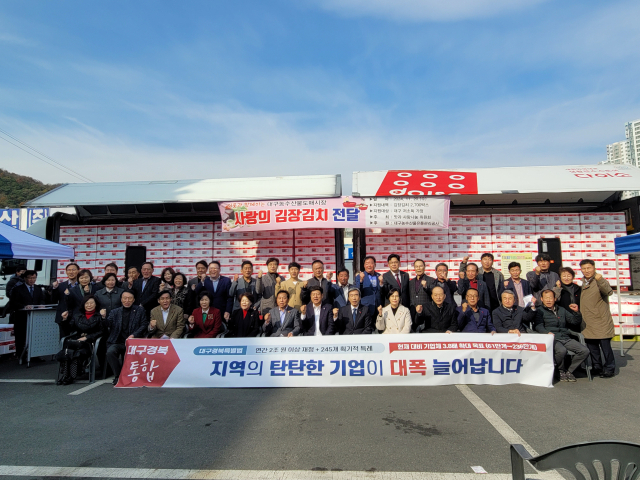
(624, 246)
(15, 243)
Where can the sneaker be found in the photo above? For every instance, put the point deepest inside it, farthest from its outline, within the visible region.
(607, 375)
(563, 377)
(115, 380)
(596, 372)
(570, 377)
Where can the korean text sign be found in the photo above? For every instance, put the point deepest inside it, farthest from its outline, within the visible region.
(340, 361)
(342, 212)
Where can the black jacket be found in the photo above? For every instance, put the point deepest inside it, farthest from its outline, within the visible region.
(439, 320)
(516, 318)
(327, 291)
(20, 296)
(109, 300)
(13, 281)
(138, 324)
(147, 297)
(556, 321)
(240, 326)
(566, 297)
(58, 296)
(344, 323)
(76, 297)
(92, 328)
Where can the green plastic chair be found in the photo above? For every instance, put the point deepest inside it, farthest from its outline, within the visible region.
(627, 455)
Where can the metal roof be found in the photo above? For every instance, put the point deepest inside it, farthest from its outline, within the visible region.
(505, 185)
(190, 191)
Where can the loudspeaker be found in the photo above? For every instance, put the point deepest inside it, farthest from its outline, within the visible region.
(553, 248)
(135, 256)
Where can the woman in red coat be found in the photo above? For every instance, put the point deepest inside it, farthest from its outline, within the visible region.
(206, 321)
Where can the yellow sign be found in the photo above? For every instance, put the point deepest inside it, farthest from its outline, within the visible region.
(524, 259)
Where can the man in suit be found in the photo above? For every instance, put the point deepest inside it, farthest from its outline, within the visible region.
(369, 284)
(282, 320)
(317, 317)
(146, 288)
(341, 289)
(23, 297)
(132, 275)
(201, 272)
(355, 318)
(395, 278)
(167, 320)
(517, 285)
(266, 285)
(492, 278)
(471, 317)
(127, 321)
(469, 279)
(418, 291)
(318, 280)
(218, 287)
(58, 296)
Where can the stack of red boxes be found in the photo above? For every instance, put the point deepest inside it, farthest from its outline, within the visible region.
(429, 245)
(383, 242)
(192, 242)
(274, 244)
(469, 235)
(312, 244)
(83, 240)
(513, 234)
(598, 231)
(230, 248)
(7, 339)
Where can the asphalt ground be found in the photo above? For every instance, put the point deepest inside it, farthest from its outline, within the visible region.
(388, 429)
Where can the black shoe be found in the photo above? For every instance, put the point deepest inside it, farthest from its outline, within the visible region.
(60, 381)
(115, 381)
(596, 372)
(67, 381)
(607, 375)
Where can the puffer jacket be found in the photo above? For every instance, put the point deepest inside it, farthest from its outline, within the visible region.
(556, 321)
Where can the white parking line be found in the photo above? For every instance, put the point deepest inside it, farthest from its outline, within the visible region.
(91, 386)
(26, 380)
(179, 474)
(502, 427)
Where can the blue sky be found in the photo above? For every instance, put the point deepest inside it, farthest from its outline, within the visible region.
(161, 89)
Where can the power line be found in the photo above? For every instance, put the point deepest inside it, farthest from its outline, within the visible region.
(50, 161)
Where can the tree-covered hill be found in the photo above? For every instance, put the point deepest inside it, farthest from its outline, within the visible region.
(17, 189)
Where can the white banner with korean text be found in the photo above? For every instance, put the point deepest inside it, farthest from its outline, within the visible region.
(340, 361)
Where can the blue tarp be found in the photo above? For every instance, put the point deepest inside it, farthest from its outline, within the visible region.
(628, 244)
(18, 244)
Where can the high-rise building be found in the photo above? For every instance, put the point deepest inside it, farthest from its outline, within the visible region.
(618, 153)
(632, 132)
(626, 152)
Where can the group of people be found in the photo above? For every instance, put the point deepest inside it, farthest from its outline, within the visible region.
(142, 305)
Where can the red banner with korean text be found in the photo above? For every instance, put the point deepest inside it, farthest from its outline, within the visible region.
(342, 212)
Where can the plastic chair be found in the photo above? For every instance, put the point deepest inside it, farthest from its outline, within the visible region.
(627, 456)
